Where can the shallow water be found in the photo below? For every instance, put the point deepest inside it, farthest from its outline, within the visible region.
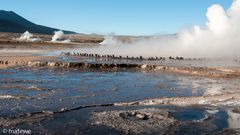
(57, 88)
(54, 89)
(191, 121)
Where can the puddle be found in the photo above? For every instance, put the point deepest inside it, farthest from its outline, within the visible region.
(190, 114)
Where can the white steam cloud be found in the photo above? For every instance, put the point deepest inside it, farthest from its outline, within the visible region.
(27, 36)
(110, 39)
(57, 37)
(219, 38)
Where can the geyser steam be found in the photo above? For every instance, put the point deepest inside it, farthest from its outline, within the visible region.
(57, 37)
(110, 39)
(27, 36)
(219, 38)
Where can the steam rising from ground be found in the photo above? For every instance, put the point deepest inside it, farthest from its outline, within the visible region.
(58, 36)
(27, 36)
(110, 39)
(219, 38)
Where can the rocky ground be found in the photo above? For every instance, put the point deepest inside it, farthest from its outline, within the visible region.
(142, 121)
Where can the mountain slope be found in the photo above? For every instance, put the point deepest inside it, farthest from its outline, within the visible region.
(12, 22)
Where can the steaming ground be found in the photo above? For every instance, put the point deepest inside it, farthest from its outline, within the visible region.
(75, 94)
(220, 37)
(27, 36)
(57, 37)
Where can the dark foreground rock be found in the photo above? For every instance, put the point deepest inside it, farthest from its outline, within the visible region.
(230, 132)
(143, 121)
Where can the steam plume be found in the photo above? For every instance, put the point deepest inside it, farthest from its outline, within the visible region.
(27, 36)
(220, 37)
(57, 37)
(110, 39)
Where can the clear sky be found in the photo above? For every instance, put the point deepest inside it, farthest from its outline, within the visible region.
(131, 17)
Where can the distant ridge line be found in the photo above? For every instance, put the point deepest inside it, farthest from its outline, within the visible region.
(14, 23)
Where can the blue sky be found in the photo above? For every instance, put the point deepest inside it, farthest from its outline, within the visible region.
(126, 17)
